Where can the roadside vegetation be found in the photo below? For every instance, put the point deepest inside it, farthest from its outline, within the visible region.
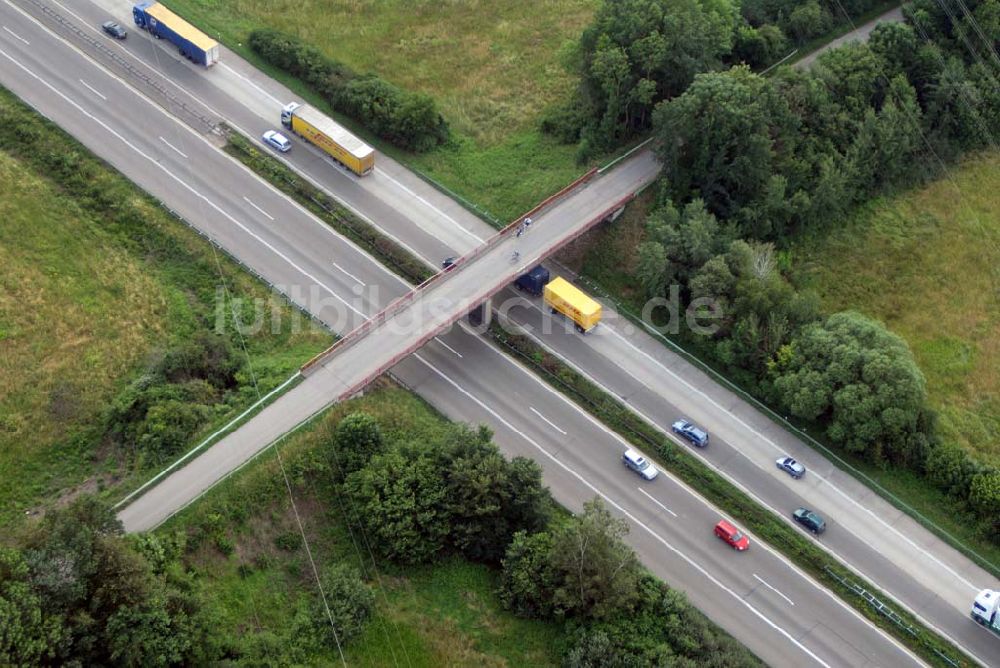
(119, 350)
(431, 548)
(935, 649)
(753, 164)
(924, 263)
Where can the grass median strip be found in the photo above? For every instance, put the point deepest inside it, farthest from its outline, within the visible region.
(393, 256)
(861, 595)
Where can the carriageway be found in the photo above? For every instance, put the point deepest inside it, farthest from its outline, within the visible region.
(409, 322)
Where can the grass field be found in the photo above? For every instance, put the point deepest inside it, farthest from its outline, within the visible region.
(927, 263)
(492, 66)
(445, 614)
(87, 303)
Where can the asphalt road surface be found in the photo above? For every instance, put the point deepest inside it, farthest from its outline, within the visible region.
(266, 234)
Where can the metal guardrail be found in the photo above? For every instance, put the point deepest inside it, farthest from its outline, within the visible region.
(886, 611)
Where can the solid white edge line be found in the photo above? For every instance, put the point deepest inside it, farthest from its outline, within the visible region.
(433, 208)
(176, 178)
(778, 450)
(615, 436)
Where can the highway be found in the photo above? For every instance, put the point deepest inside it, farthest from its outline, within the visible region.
(867, 533)
(272, 236)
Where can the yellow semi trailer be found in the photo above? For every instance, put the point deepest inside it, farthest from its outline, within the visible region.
(563, 297)
(332, 138)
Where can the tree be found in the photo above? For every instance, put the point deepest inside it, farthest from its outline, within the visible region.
(984, 494)
(355, 441)
(597, 573)
(722, 141)
(146, 634)
(99, 600)
(638, 52)
(808, 20)
(490, 498)
(401, 501)
(861, 381)
(29, 636)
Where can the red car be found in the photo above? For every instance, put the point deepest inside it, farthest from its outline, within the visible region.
(727, 532)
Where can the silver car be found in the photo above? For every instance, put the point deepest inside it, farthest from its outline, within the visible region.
(791, 467)
(635, 461)
(277, 141)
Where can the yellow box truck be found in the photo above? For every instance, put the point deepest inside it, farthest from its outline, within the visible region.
(563, 297)
(329, 136)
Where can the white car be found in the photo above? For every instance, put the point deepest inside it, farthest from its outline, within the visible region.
(277, 141)
(635, 461)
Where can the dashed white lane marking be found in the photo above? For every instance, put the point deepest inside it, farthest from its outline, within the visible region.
(761, 580)
(653, 499)
(247, 200)
(16, 36)
(438, 339)
(93, 90)
(179, 152)
(548, 421)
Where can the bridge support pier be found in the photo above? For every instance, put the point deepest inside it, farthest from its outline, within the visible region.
(482, 315)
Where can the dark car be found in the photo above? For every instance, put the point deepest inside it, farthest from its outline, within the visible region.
(809, 520)
(114, 29)
(686, 429)
(791, 467)
(448, 263)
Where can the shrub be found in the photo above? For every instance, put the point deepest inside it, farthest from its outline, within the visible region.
(350, 603)
(408, 120)
(289, 542)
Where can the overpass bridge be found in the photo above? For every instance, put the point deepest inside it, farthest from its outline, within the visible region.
(412, 320)
(388, 337)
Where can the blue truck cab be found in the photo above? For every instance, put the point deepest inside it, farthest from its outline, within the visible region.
(162, 23)
(533, 281)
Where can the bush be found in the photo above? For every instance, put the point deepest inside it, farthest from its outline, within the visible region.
(289, 542)
(408, 120)
(350, 602)
(355, 441)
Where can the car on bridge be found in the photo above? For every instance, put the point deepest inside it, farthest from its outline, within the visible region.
(635, 461)
(809, 520)
(688, 431)
(791, 467)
